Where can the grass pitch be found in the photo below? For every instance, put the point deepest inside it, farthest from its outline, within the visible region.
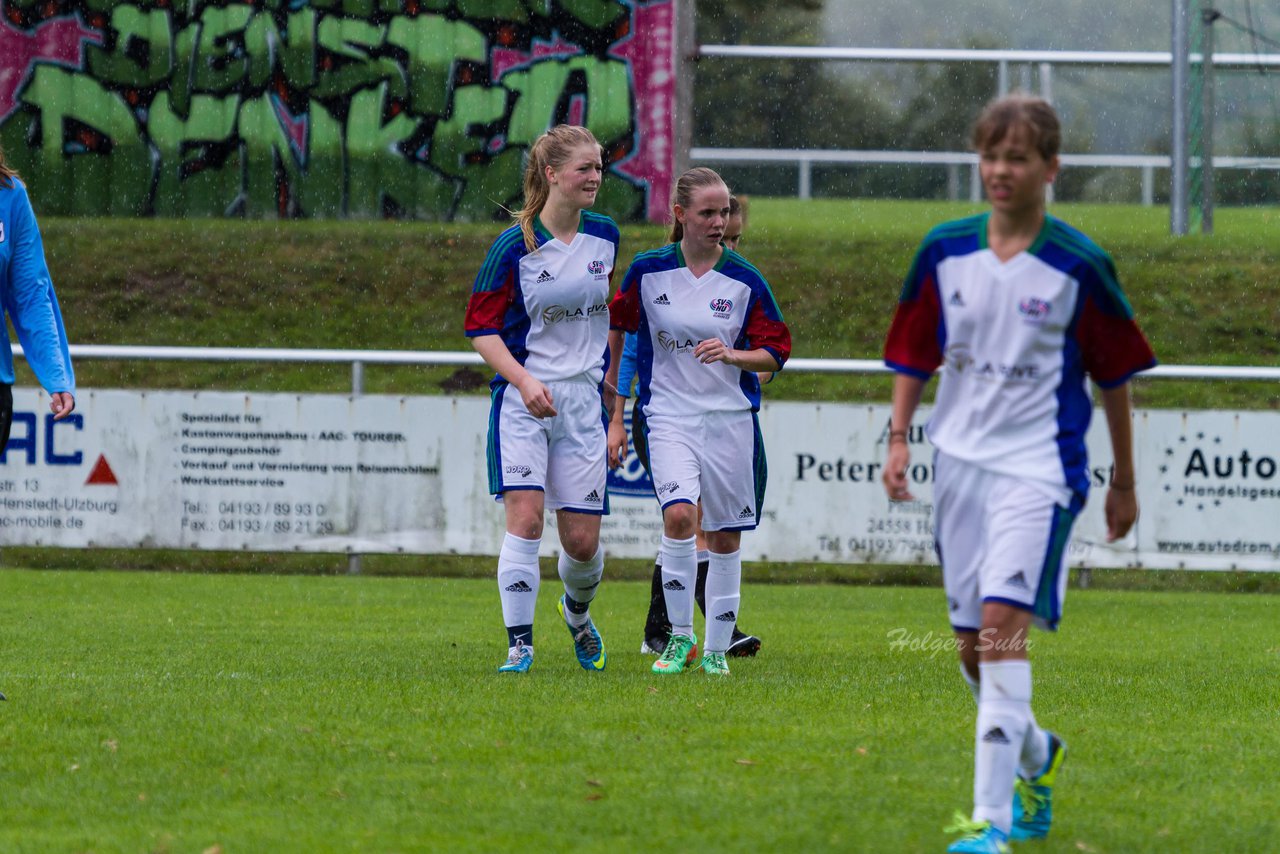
(241, 713)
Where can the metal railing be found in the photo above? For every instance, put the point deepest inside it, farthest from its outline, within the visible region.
(1042, 60)
(806, 158)
(359, 358)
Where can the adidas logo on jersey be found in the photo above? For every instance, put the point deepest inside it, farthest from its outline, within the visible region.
(661, 299)
(593, 497)
(519, 587)
(674, 584)
(543, 278)
(995, 735)
(746, 513)
(727, 617)
(956, 300)
(1017, 580)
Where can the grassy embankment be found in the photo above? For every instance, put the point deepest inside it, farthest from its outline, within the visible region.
(835, 266)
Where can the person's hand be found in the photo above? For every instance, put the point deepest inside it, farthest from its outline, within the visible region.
(1121, 511)
(62, 404)
(713, 350)
(537, 398)
(895, 472)
(617, 444)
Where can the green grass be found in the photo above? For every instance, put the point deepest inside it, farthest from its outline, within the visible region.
(835, 265)
(176, 712)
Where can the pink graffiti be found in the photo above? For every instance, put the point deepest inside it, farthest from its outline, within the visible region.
(502, 59)
(294, 127)
(60, 41)
(649, 51)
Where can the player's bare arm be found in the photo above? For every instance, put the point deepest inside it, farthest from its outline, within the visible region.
(536, 396)
(1121, 505)
(715, 350)
(907, 391)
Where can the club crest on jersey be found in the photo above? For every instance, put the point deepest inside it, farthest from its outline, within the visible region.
(672, 344)
(1035, 310)
(596, 268)
(721, 307)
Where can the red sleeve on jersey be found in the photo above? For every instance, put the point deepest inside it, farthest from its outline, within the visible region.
(487, 310)
(768, 333)
(624, 309)
(1112, 347)
(916, 337)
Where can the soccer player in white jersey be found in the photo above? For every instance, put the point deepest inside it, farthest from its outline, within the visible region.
(1015, 310)
(538, 315)
(657, 628)
(706, 322)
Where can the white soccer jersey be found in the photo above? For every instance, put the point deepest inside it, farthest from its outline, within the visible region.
(551, 306)
(1014, 341)
(672, 311)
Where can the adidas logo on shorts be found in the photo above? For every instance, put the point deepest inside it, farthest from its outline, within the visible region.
(593, 497)
(747, 513)
(956, 299)
(995, 735)
(727, 617)
(543, 278)
(519, 587)
(1017, 580)
(674, 584)
(661, 299)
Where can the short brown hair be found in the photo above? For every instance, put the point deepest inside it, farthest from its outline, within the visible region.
(1000, 117)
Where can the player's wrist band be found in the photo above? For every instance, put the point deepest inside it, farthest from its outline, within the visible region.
(898, 435)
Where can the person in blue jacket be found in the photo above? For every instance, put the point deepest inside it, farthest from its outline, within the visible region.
(27, 299)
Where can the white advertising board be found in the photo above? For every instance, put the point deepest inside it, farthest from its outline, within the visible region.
(331, 473)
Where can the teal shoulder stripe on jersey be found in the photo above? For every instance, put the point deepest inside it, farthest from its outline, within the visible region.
(497, 252)
(1079, 245)
(972, 226)
(599, 224)
(655, 254)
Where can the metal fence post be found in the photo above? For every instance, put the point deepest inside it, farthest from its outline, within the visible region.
(357, 389)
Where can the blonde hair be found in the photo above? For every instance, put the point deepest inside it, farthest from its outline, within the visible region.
(695, 179)
(6, 174)
(1000, 117)
(553, 149)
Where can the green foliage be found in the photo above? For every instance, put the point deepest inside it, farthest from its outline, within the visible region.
(163, 712)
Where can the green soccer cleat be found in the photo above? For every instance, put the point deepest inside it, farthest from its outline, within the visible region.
(519, 659)
(587, 644)
(680, 653)
(1033, 799)
(976, 837)
(714, 663)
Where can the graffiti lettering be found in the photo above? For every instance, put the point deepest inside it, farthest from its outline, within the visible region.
(365, 108)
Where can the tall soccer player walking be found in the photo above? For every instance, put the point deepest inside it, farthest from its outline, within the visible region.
(539, 316)
(1015, 310)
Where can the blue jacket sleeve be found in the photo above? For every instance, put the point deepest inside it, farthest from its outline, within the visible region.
(627, 365)
(30, 302)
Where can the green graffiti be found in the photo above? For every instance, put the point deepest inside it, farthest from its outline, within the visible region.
(380, 180)
(545, 88)
(433, 45)
(364, 108)
(143, 55)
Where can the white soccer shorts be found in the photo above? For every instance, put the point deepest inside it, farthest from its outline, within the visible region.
(715, 456)
(1000, 539)
(565, 455)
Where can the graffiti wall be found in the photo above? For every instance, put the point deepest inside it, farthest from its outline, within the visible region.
(325, 108)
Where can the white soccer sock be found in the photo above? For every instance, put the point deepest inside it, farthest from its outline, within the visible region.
(679, 574)
(518, 583)
(1003, 712)
(1035, 750)
(581, 580)
(724, 581)
(975, 687)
